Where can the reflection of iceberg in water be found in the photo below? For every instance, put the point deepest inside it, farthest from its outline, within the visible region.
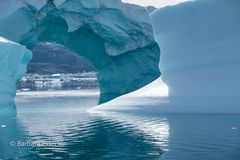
(8, 111)
(81, 135)
(106, 136)
(10, 133)
(155, 129)
(121, 136)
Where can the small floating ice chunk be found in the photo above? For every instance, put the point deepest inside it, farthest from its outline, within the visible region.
(3, 126)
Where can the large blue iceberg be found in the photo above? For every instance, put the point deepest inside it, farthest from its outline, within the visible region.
(116, 38)
(200, 45)
(13, 63)
(200, 60)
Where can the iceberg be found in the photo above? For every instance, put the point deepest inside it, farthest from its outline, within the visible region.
(13, 63)
(200, 60)
(117, 38)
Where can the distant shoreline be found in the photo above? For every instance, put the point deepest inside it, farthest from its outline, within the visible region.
(60, 93)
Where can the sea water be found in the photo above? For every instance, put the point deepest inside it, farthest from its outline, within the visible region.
(57, 126)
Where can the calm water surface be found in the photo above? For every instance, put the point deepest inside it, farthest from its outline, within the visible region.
(60, 128)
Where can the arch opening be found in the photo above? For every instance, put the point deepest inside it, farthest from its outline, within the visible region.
(55, 68)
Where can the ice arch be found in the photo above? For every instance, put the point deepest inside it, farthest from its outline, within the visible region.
(200, 61)
(117, 38)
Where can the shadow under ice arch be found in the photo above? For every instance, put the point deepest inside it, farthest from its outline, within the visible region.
(118, 43)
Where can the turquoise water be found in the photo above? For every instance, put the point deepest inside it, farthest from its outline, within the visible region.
(60, 128)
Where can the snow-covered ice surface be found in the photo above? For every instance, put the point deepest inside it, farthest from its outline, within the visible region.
(151, 95)
(200, 60)
(116, 38)
(13, 63)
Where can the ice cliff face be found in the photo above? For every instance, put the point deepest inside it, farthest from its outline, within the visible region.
(117, 38)
(13, 63)
(200, 48)
(200, 60)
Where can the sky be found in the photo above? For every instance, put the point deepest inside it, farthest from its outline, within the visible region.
(156, 3)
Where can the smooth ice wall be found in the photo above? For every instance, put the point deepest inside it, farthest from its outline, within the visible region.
(13, 63)
(200, 48)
